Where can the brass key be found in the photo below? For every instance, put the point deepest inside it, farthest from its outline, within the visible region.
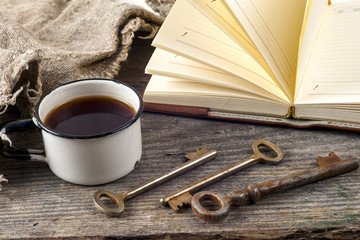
(183, 196)
(328, 167)
(195, 159)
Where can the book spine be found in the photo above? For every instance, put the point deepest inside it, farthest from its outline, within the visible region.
(176, 109)
(291, 112)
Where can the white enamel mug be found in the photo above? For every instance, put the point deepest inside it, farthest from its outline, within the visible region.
(85, 160)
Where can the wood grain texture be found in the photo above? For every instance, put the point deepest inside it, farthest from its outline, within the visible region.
(35, 204)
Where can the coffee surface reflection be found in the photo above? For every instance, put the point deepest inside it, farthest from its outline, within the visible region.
(88, 116)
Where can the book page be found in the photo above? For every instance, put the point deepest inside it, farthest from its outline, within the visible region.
(173, 65)
(221, 15)
(314, 17)
(187, 32)
(275, 27)
(332, 73)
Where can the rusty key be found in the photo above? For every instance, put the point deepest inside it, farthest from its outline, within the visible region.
(195, 159)
(183, 196)
(328, 167)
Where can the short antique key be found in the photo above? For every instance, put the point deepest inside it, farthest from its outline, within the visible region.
(195, 159)
(328, 167)
(183, 196)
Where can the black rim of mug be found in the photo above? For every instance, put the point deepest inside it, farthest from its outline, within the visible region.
(41, 124)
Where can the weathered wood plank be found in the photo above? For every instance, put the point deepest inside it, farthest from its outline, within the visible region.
(37, 204)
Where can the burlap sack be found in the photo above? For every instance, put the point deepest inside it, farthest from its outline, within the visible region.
(45, 43)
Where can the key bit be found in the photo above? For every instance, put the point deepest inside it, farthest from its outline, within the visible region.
(179, 201)
(198, 153)
(328, 167)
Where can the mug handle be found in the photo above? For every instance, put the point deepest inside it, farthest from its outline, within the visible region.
(15, 152)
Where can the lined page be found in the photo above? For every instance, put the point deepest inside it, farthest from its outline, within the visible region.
(315, 14)
(332, 74)
(189, 33)
(173, 65)
(275, 27)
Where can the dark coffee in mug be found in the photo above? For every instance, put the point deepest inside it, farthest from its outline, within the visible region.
(91, 115)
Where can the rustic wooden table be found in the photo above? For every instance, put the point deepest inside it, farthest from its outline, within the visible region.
(35, 204)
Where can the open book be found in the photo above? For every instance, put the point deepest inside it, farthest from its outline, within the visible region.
(259, 60)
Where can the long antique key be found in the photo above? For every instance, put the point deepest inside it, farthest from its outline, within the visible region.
(328, 167)
(195, 159)
(183, 196)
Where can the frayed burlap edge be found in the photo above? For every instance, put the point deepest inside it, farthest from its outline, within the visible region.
(127, 36)
(2, 179)
(11, 75)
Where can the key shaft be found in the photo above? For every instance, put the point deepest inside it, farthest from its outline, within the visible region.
(195, 159)
(210, 179)
(254, 193)
(328, 167)
(202, 157)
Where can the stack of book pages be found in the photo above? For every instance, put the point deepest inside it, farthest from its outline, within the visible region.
(283, 62)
